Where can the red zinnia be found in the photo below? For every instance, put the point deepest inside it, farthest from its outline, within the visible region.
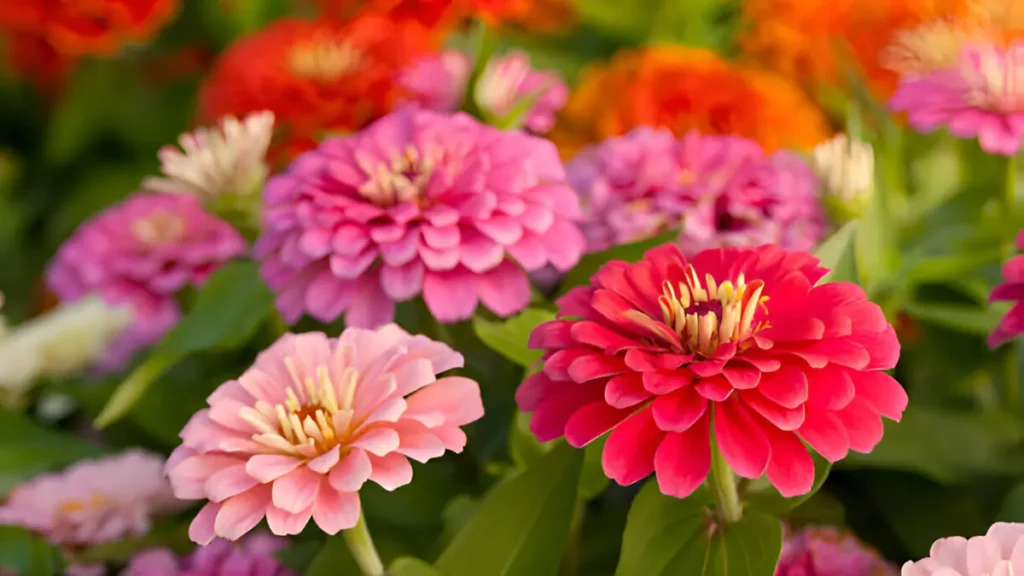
(738, 341)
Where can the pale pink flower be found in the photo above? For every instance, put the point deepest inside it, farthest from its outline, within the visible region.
(93, 501)
(1000, 552)
(253, 556)
(508, 81)
(419, 202)
(437, 82)
(828, 551)
(982, 98)
(140, 253)
(298, 434)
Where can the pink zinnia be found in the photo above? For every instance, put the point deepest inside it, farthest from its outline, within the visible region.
(507, 81)
(140, 253)
(254, 556)
(827, 551)
(419, 202)
(93, 501)
(1012, 289)
(1000, 552)
(437, 82)
(656, 350)
(298, 434)
(983, 98)
(721, 190)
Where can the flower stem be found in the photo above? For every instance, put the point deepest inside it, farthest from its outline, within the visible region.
(723, 483)
(571, 561)
(1011, 371)
(360, 544)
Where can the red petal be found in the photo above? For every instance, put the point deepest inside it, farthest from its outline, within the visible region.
(612, 306)
(741, 439)
(591, 421)
(557, 366)
(826, 434)
(707, 368)
(626, 390)
(553, 413)
(678, 411)
(593, 366)
(602, 337)
(759, 361)
(830, 387)
(796, 328)
(786, 387)
(665, 381)
(863, 425)
(613, 276)
(643, 361)
(683, 460)
(884, 348)
(741, 377)
(782, 418)
(628, 455)
(716, 388)
(535, 389)
(882, 392)
(791, 469)
(554, 334)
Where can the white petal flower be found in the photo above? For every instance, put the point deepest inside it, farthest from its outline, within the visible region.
(847, 168)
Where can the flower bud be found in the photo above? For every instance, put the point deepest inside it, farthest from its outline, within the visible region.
(846, 167)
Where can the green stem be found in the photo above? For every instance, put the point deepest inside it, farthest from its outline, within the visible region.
(1011, 370)
(360, 544)
(723, 484)
(571, 561)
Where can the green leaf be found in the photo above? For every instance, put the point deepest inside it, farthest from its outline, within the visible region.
(298, 556)
(667, 536)
(28, 449)
(591, 263)
(833, 251)
(629, 20)
(232, 304)
(962, 317)
(874, 252)
(333, 559)
(522, 526)
(510, 337)
(1013, 506)
(412, 567)
(693, 23)
(945, 445)
(27, 555)
(173, 536)
(769, 500)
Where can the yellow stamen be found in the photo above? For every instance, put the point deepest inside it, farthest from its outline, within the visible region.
(324, 60)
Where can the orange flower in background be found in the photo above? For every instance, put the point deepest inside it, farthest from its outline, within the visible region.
(316, 77)
(687, 89)
(32, 57)
(442, 15)
(87, 27)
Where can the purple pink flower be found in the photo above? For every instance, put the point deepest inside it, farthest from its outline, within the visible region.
(722, 191)
(437, 82)
(1012, 289)
(93, 501)
(509, 82)
(140, 253)
(827, 551)
(253, 556)
(297, 435)
(418, 203)
(981, 98)
(1000, 552)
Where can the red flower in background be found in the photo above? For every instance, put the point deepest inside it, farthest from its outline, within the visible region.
(738, 344)
(33, 57)
(316, 77)
(431, 13)
(87, 27)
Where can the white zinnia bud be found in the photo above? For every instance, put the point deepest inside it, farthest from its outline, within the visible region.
(847, 169)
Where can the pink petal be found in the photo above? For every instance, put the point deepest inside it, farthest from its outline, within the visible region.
(418, 442)
(787, 386)
(351, 472)
(863, 425)
(296, 490)
(240, 514)
(378, 441)
(882, 392)
(335, 511)
(403, 282)
(201, 530)
(504, 289)
(370, 307)
(451, 296)
(683, 460)
(269, 467)
(479, 253)
(791, 469)
(625, 390)
(325, 462)
(628, 455)
(667, 381)
(826, 434)
(591, 421)
(456, 397)
(741, 439)
(391, 471)
(327, 296)
(229, 482)
(678, 411)
(284, 523)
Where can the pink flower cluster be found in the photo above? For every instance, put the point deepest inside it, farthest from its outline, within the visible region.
(827, 551)
(721, 190)
(254, 556)
(418, 203)
(141, 252)
(1012, 290)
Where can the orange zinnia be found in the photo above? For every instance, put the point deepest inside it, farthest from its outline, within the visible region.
(87, 27)
(687, 89)
(31, 56)
(316, 77)
(434, 14)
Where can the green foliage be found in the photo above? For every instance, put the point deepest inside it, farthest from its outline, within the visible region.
(28, 449)
(591, 263)
(27, 555)
(510, 337)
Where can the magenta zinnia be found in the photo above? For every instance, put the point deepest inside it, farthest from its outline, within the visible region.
(253, 556)
(419, 202)
(658, 350)
(299, 433)
(1012, 290)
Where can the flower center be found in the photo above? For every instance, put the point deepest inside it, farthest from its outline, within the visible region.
(313, 416)
(161, 227)
(323, 60)
(707, 315)
(403, 180)
(931, 46)
(75, 506)
(998, 82)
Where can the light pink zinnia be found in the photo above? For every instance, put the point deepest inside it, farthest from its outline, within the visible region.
(509, 80)
(828, 551)
(1000, 552)
(722, 190)
(419, 202)
(983, 98)
(437, 82)
(1012, 290)
(298, 434)
(140, 253)
(93, 501)
(253, 556)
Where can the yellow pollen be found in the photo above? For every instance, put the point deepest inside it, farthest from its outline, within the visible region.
(323, 60)
(931, 46)
(159, 228)
(710, 313)
(402, 180)
(72, 506)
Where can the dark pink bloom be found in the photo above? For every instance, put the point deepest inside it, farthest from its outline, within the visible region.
(827, 551)
(1012, 290)
(654, 351)
(437, 82)
(253, 556)
(141, 252)
(418, 203)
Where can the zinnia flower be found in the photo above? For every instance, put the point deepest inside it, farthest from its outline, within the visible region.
(99, 27)
(419, 202)
(722, 191)
(1000, 552)
(298, 434)
(657, 350)
(254, 555)
(847, 167)
(982, 98)
(31, 56)
(827, 551)
(666, 86)
(1012, 290)
(316, 77)
(439, 15)
(93, 501)
(140, 253)
(509, 81)
(437, 82)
